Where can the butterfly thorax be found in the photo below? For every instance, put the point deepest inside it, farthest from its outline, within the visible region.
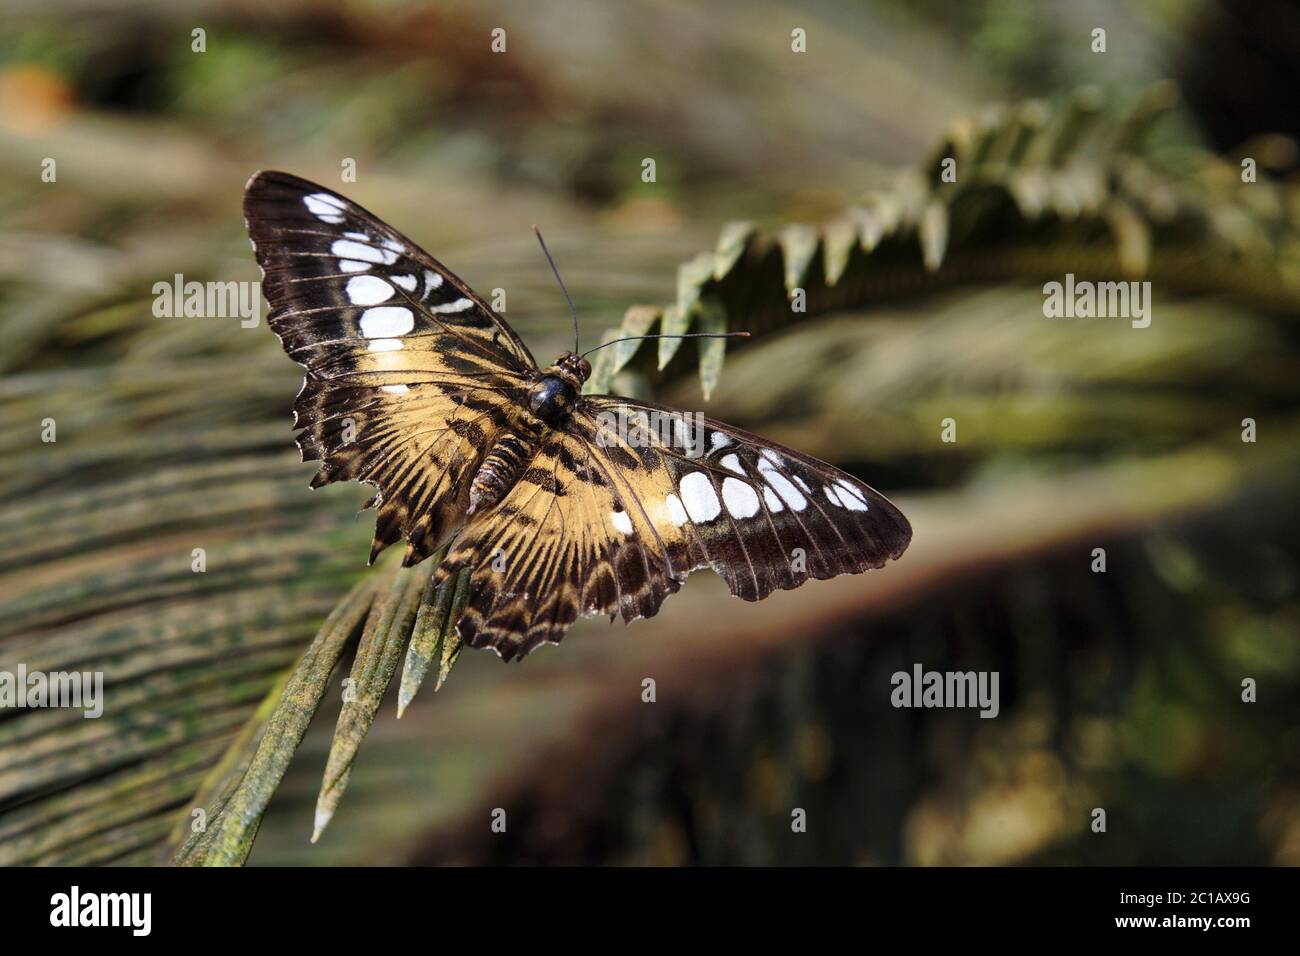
(550, 399)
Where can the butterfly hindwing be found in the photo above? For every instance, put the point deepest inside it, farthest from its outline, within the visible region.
(420, 447)
(629, 498)
(410, 376)
(556, 546)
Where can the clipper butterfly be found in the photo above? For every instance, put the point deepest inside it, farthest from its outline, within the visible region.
(558, 503)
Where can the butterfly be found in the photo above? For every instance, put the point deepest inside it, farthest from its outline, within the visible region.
(556, 502)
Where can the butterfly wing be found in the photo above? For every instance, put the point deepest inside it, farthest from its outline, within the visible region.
(410, 375)
(627, 498)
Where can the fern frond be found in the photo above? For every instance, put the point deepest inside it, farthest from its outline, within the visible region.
(1034, 193)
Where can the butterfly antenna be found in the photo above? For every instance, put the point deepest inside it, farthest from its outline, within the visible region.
(684, 335)
(537, 232)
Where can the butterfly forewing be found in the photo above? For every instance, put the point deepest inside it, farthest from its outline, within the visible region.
(763, 516)
(409, 375)
(333, 272)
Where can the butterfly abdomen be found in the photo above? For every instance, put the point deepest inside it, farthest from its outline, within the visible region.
(499, 471)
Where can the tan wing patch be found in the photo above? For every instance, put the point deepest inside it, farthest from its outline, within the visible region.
(419, 444)
(573, 536)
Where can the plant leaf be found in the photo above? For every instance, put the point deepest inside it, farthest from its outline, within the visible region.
(434, 636)
(1033, 183)
(383, 642)
(238, 790)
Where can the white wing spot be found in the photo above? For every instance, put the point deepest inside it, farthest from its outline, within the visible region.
(368, 290)
(324, 207)
(622, 522)
(386, 321)
(676, 513)
(351, 265)
(699, 498)
(774, 504)
(431, 281)
(782, 486)
(732, 463)
(719, 440)
(851, 497)
(406, 282)
(350, 249)
(460, 305)
(833, 496)
(741, 499)
(385, 345)
(398, 389)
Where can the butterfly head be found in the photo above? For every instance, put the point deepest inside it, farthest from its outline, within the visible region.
(572, 366)
(553, 395)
